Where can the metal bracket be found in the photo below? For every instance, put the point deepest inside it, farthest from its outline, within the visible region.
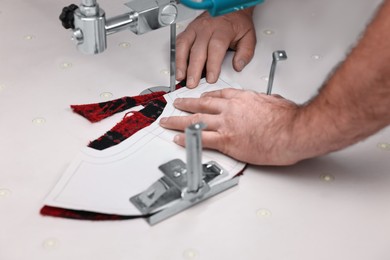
(183, 185)
(276, 56)
(91, 27)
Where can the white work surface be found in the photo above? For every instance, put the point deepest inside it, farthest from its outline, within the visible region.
(333, 207)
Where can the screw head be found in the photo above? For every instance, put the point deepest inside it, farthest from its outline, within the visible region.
(279, 55)
(77, 35)
(168, 14)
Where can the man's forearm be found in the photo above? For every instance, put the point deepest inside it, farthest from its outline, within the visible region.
(355, 102)
(352, 105)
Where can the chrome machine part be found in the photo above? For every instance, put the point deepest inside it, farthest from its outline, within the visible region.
(194, 156)
(276, 56)
(152, 15)
(183, 185)
(91, 27)
(172, 69)
(89, 33)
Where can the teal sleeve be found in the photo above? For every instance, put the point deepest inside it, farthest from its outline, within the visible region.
(220, 7)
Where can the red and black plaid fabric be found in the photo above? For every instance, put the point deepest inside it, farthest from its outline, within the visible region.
(82, 215)
(131, 123)
(98, 111)
(154, 105)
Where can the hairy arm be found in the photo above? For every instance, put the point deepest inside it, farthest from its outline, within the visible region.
(270, 130)
(355, 102)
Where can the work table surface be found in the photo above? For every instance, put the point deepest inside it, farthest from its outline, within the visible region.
(332, 207)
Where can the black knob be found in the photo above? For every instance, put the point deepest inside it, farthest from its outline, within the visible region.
(67, 16)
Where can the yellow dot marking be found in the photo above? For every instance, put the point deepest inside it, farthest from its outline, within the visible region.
(327, 177)
(263, 213)
(29, 37)
(66, 65)
(4, 193)
(164, 71)
(190, 254)
(50, 243)
(39, 121)
(384, 146)
(124, 44)
(106, 95)
(268, 32)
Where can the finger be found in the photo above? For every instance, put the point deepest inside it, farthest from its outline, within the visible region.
(198, 57)
(207, 105)
(182, 122)
(245, 51)
(277, 96)
(226, 93)
(210, 140)
(218, 45)
(184, 43)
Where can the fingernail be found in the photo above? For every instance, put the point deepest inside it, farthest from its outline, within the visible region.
(190, 81)
(240, 65)
(177, 101)
(163, 120)
(179, 75)
(211, 77)
(176, 138)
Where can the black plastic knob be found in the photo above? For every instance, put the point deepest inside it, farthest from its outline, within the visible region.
(67, 16)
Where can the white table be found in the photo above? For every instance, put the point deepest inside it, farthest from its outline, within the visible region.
(333, 207)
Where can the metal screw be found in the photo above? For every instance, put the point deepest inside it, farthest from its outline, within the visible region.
(168, 14)
(77, 35)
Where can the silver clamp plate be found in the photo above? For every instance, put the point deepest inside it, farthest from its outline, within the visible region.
(183, 185)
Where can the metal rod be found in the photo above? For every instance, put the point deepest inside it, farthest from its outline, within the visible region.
(172, 85)
(194, 156)
(276, 56)
(271, 77)
(120, 22)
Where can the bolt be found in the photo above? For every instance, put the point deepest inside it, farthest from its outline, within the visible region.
(77, 35)
(168, 14)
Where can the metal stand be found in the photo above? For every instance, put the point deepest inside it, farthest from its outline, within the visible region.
(276, 56)
(172, 69)
(90, 27)
(182, 186)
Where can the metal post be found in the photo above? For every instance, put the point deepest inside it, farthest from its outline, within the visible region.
(271, 77)
(194, 156)
(172, 85)
(276, 56)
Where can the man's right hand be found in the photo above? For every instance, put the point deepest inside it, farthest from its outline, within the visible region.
(206, 40)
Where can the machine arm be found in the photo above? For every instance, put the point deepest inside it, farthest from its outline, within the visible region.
(90, 26)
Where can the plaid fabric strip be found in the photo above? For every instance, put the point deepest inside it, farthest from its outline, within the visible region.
(154, 105)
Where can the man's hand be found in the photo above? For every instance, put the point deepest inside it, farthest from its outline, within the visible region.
(207, 39)
(352, 105)
(245, 125)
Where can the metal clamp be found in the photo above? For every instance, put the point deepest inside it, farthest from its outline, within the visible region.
(172, 67)
(183, 185)
(91, 27)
